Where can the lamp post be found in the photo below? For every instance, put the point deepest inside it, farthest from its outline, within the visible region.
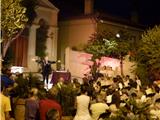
(121, 57)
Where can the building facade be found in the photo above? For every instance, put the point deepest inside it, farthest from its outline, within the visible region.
(76, 31)
(25, 46)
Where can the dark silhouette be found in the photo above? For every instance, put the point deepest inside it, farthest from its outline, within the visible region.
(45, 68)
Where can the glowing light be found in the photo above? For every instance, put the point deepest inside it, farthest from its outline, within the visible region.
(118, 35)
(59, 61)
(101, 21)
(16, 69)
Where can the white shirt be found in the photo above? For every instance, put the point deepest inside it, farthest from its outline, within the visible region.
(82, 108)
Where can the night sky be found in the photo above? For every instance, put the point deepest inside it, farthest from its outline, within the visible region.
(148, 10)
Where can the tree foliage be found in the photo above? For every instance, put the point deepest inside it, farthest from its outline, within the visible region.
(148, 55)
(107, 44)
(99, 45)
(15, 16)
(41, 38)
(30, 11)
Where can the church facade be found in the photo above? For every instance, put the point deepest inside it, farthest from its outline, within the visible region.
(25, 47)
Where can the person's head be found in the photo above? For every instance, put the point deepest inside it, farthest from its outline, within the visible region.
(40, 84)
(52, 114)
(91, 82)
(8, 72)
(115, 79)
(33, 92)
(156, 88)
(42, 95)
(75, 80)
(104, 67)
(99, 98)
(99, 83)
(46, 58)
(61, 80)
(52, 93)
(127, 77)
(83, 89)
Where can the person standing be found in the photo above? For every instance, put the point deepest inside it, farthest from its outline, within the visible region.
(5, 104)
(46, 68)
(82, 105)
(47, 103)
(32, 106)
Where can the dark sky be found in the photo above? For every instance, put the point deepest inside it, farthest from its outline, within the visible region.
(148, 10)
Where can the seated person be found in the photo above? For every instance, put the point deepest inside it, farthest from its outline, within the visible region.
(110, 72)
(99, 107)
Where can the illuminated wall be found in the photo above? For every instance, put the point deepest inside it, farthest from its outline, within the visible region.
(73, 33)
(49, 13)
(77, 31)
(78, 63)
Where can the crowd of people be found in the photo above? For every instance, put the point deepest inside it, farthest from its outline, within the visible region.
(108, 95)
(39, 104)
(96, 99)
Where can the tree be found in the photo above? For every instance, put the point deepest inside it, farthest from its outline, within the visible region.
(148, 55)
(107, 44)
(41, 38)
(15, 18)
(101, 44)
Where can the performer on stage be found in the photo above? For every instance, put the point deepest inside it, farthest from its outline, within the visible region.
(46, 68)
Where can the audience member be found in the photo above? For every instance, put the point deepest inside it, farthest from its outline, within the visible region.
(46, 104)
(32, 106)
(82, 105)
(52, 114)
(5, 104)
(98, 108)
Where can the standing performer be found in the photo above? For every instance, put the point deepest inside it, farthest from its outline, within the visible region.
(46, 68)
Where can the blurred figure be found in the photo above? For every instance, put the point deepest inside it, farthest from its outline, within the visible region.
(60, 83)
(48, 103)
(6, 77)
(138, 81)
(76, 86)
(41, 87)
(5, 104)
(97, 87)
(110, 72)
(98, 108)
(52, 114)
(32, 106)
(82, 104)
(46, 68)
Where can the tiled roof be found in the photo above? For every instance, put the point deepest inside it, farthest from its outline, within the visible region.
(105, 17)
(47, 4)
